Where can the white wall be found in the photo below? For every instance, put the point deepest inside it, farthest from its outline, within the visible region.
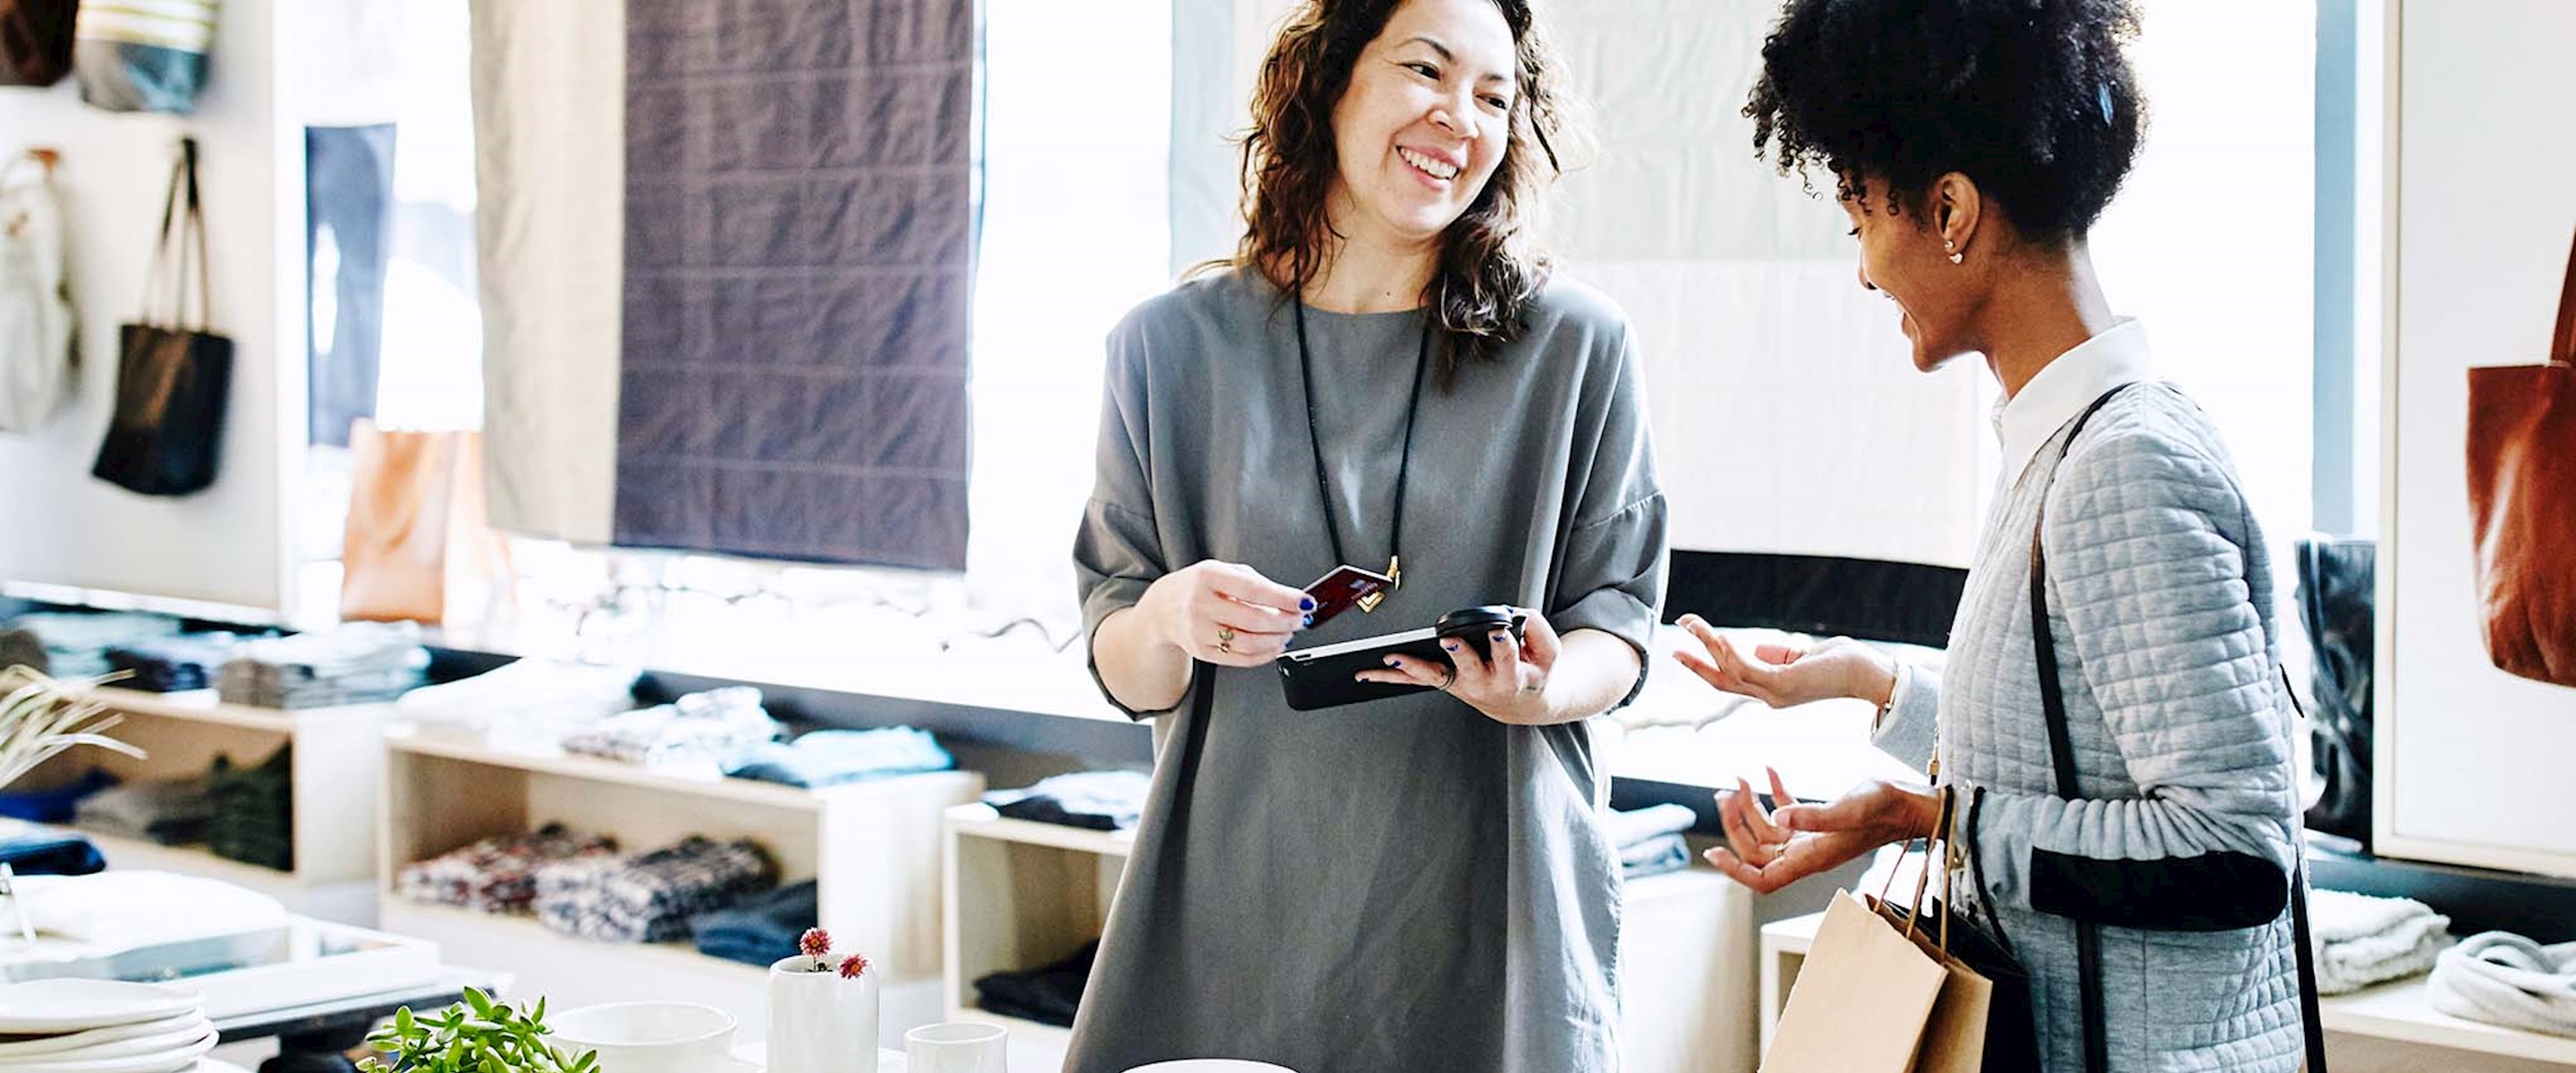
(59, 525)
(2472, 761)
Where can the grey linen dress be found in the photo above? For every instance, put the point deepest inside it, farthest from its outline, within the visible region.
(1402, 885)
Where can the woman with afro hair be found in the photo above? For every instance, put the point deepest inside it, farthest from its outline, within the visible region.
(2140, 862)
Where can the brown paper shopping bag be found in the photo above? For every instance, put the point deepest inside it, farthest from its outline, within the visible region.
(1860, 1002)
(419, 545)
(1977, 1017)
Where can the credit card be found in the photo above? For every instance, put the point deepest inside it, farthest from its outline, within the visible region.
(1341, 589)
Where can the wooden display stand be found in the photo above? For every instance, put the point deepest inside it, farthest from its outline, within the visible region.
(335, 770)
(873, 847)
(1023, 895)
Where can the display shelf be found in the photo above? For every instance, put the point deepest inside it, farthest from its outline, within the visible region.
(872, 848)
(549, 760)
(334, 773)
(2403, 1011)
(2400, 1011)
(1022, 895)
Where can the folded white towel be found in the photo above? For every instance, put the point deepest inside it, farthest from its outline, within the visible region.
(2362, 940)
(2336, 916)
(2504, 979)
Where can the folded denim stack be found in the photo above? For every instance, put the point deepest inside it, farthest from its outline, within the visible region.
(357, 663)
(1096, 800)
(1650, 839)
(168, 812)
(700, 730)
(172, 664)
(650, 898)
(833, 757)
(2361, 940)
(76, 643)
(254, 818)
(496, 875)
(760, 929)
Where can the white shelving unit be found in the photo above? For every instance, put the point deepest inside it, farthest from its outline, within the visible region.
(1022, 895)
(872, 847)
(2399, 1011)
(335, 770)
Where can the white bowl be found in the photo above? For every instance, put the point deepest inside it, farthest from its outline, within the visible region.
(1212, 1065)
(647, 1037)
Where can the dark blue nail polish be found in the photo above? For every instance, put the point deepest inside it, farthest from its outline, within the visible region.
(1390, 661)
(1450, 645)
(1305, 603)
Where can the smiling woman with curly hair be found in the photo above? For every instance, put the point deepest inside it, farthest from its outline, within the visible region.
(1383, 376)
(2113, 738)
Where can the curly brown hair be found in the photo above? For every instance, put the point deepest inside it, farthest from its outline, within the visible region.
(1487, 273)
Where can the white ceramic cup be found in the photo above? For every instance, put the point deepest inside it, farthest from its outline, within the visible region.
(647, 1037)
(1212, 1065)
(956, 1047)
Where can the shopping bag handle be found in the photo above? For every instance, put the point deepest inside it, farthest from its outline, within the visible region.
(1931, 863)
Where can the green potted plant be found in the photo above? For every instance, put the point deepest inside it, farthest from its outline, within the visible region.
(41, 718)
(478, 1035)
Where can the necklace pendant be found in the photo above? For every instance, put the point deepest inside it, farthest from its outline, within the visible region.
(1394, 574)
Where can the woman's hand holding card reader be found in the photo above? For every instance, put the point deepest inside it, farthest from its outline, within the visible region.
(1322, 677)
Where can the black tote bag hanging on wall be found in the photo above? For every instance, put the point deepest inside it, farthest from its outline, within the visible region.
(171, 379)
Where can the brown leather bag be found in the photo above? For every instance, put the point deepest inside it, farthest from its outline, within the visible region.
(2522, 502)
(36, 41)
(419, 545)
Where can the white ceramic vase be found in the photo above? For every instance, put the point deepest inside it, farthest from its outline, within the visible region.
(819, 1022)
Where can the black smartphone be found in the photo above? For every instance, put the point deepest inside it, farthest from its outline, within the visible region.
(1342, 588)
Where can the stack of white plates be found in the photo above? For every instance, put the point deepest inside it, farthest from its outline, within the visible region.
(101, 1026)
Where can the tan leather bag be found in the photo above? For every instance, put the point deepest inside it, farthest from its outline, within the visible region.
(419, 544)
(2522, 503)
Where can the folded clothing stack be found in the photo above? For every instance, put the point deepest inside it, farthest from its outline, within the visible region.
(169, 811)
(496, 875)
(30, 850)
(650, 898)
(356, 663)
(1097, 800)
(53, 804)
(125, 909)
(701, 729)
(521, 697)
(2361, 940)
(172, 664)
(1649, 839)
(76, 643)
(254, 815)
(760, 929)
(1048, 996)
(833, 757)
(2500, 978)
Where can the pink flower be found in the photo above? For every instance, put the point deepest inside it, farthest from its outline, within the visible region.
(854, 965)
(816, 943)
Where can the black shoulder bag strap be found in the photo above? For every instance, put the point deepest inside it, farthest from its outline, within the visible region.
(2061, 753)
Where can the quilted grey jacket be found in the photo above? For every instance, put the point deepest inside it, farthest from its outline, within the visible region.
(2159, 595)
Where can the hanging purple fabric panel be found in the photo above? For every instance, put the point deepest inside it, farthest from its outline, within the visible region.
(798, 245)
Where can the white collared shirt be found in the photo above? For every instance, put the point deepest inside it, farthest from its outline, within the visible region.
(2063, 388)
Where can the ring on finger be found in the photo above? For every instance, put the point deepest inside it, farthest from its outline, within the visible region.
(1225, 639)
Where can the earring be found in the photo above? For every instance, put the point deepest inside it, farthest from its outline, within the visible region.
(1956, 257)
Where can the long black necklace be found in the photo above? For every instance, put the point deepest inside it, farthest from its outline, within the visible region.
(1403, 466)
